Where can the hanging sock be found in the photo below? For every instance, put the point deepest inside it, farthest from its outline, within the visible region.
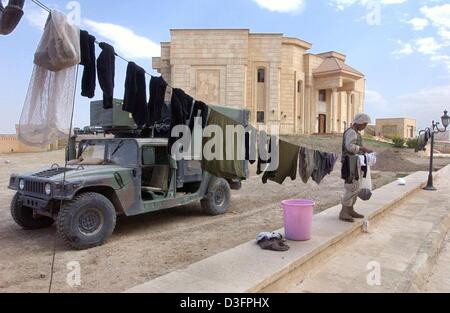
(106, 71)
(10, 16)
(135, 98)
(87, 46)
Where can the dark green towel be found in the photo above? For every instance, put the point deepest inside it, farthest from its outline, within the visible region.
(228, 169)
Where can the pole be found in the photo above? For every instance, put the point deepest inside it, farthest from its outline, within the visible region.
(430, 184)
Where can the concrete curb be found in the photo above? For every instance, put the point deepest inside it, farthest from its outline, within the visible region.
(246, 268)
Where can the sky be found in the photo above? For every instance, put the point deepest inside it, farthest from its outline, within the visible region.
(402, 46)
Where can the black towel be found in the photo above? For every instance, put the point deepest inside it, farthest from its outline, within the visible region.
(181, 108)
(87, 49)
(158, 88)
(135, 98)
(200, 110)
(106, 69)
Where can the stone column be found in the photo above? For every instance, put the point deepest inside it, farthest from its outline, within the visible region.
(334, 109)
(349, 109)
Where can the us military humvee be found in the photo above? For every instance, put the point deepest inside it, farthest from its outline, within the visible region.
(112, 177)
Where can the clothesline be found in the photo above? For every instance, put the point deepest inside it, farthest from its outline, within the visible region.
(46, 8)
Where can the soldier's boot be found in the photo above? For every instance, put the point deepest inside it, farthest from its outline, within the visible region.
(345, 215)
(355, 214)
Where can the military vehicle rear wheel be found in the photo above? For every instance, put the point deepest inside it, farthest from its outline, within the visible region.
(87, 221)
(25, 218)
(218, 198)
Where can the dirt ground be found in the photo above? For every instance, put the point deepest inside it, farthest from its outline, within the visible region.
(145, 247)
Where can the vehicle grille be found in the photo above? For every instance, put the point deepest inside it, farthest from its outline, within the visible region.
(35, 187)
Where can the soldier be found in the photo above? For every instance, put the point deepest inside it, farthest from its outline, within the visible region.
(352, 147)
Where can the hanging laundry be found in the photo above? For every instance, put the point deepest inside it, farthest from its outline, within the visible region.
(10, 16)
(87, 46)
(225, 168)
(158, 88)
(135, 98)
(46, 115)
(181, 108)
(251, 138)
(306, 163)
(266, 144)
(365, 163)
(199, 110)
(59, 47)
(106, 70)
(368, 159)
(162, 128)
(422, 141)
(287, 165)
(324, 165)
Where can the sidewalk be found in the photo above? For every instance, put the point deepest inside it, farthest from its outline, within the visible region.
(405, 244)
(336, 257)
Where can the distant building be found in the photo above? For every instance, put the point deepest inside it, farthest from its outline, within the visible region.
(271, 75)
(11, 144)
(397, 127)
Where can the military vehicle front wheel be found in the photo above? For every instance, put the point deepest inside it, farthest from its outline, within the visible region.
(25, 218)
(87, 221)
(218, 199)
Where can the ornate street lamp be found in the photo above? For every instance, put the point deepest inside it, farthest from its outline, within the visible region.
(431, 131)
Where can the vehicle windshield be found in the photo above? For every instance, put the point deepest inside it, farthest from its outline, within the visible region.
(120, 152)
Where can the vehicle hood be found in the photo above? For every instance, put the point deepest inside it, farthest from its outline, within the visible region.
(78, 173)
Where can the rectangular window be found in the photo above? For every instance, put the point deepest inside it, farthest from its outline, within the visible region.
(261, 75)
(323, 95)
(261, 117)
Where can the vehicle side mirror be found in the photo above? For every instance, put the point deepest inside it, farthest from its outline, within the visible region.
(148, 156)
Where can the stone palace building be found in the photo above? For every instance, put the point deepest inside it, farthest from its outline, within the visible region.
(271, 75)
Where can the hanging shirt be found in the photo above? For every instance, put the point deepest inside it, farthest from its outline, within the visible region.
(106, 70)
(135, 98)
(324, 165)
(199, 110)
(158, 88)
(225, 168)
(181, 108)
(88, 81)
(306, 163)
(287, 165)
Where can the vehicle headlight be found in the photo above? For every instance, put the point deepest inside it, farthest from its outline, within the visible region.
(22, 184)
(48, 189)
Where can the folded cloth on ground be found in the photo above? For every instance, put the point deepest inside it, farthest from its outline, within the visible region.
(268, 235)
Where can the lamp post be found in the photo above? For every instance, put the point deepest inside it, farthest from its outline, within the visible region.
(431, 131)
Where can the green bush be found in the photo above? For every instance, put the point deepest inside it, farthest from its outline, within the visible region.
(399, 142)
(412, 143)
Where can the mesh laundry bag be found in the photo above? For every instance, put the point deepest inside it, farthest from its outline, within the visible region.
(48, 105)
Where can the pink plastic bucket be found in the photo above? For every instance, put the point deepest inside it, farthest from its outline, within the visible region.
(298, 218)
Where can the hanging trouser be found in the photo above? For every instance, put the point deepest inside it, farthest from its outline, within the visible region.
(351, 194)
